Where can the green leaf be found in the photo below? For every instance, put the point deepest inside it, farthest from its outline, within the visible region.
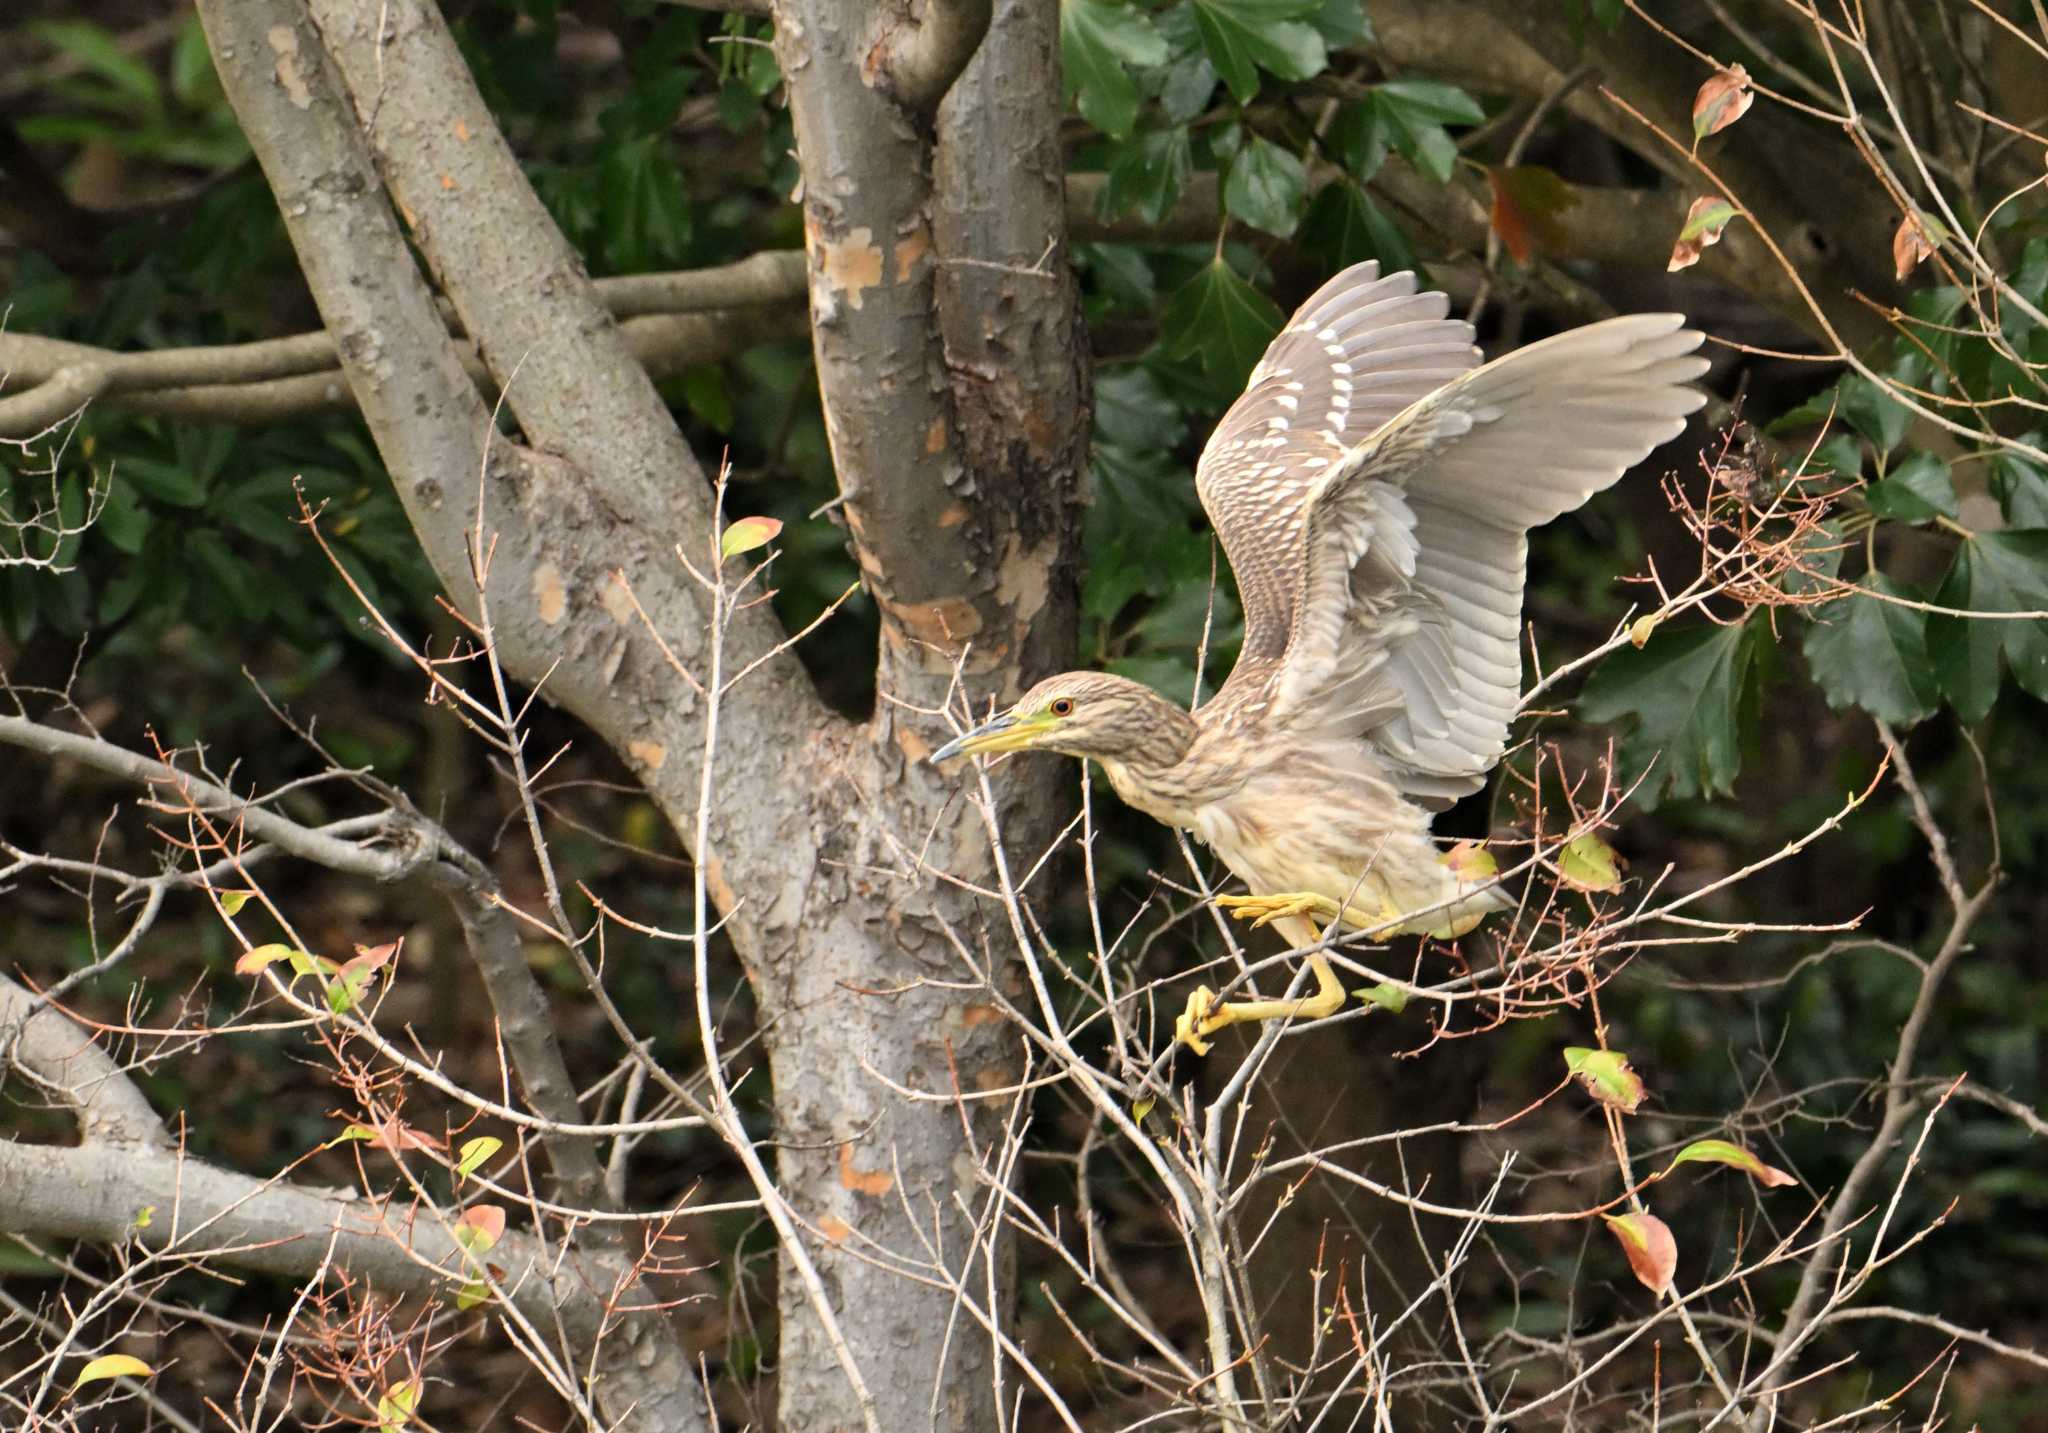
(1870, 653)
(167, 482)
(2019, 484)
(1606, 1075)
(1098, 39)
(1341, 23)
(112, 1365)
(1588, 863)
(1385, 996)
(747, 534)
(1266, 187)
(1221, 322)
(1147, 174)
(1689, 694)
(395, 1406)
(1873, 412)
(475, 1151)
(1916, 491)
(1246, 36)
(231, 902)
(1359, 136)
(1992, 572)
(100, 54)
(1720, 1151)
(1414, 113)
(1344, 225)
(1430, 101)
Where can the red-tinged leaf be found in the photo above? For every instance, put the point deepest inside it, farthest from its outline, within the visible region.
(480, 1226)
(1916, 238)
(393, 1134)
(253, 961)
(1704, 222)
(1587, 863)
(1652, 1252)
(1527, 199)
(1470, 862)
(372, 957)
(747, 534)
(1606, 1076)
(112, 1365)
(1720, 1151)
(1721, 101)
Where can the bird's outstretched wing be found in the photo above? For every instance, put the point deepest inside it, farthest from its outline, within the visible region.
(1361, 350)
(1405, 624)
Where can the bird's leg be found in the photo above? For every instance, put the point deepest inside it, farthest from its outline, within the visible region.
(1204, 1016)
(1264, 910)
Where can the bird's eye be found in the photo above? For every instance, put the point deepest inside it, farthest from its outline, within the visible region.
(1062, 706)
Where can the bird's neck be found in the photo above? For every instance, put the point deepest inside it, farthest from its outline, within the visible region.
(1143, 772)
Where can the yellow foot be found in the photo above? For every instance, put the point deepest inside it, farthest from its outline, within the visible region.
(1263, 910)
(1203, 1016)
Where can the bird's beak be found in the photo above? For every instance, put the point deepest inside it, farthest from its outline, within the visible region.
(1008, 732)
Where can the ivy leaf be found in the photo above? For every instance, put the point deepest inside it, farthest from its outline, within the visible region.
(1414, 113)
(1992, 572)
(1870, 653)
(1917, 491)
(1246, 36)
(1690, 694)
(1873, 412)
(2019, 484)
(1222, 322)
(1098, 39)
(1265, 187)
(1344, 225)
(1147, 175)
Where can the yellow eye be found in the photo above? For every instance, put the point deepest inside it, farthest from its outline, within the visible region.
(1062, 706)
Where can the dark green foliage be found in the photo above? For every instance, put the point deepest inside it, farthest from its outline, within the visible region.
(1691, 694)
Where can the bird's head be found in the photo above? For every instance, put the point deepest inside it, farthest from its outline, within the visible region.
(1087, 714)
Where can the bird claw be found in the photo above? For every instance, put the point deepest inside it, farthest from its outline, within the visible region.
(1264, 910)
(1198, 1020)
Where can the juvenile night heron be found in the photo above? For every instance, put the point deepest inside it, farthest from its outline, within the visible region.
(1374, 488)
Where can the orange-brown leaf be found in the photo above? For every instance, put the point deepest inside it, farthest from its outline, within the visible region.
(1704, 222)
(1652, 1252)
(1721, 101)
(1527, 198)
(1911, 243)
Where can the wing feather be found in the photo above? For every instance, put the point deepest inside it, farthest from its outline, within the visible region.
(1410, 638)
(1362, 349)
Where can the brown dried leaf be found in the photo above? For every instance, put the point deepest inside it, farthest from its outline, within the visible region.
(1652, 1252)
(1912, 242)
(1721, 101)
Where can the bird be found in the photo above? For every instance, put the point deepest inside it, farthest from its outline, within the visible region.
(1373, 488)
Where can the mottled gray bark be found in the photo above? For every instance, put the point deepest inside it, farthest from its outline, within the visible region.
(961, 479)
(949, 362)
